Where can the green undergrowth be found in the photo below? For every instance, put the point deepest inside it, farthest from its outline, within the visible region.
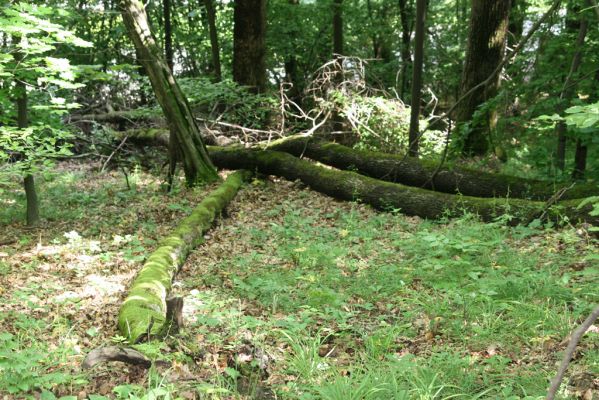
(292, 296)
(358, 305)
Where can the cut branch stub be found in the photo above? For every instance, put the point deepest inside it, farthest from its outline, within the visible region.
(144, 310)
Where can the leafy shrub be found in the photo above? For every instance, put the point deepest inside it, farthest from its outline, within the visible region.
(236, 103)
(382, 124)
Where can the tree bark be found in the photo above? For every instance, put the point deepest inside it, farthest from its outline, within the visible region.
(383, 195)
(337, 28)
(405, 7)
(336, 118)
(196, 163)
(414, 130)
(580, 160)
(173, 153)
(408, 171)
(214, 46)
(486, 45)
(418, 173)
(32, 214)
(143, 313)
(249, 51)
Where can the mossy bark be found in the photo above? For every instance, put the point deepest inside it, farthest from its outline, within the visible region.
(418, 173)
(383, 195)
(160, 136)
(196, 163)
(144, 310)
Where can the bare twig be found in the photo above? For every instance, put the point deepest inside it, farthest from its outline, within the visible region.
(113, 153)
(576, 336)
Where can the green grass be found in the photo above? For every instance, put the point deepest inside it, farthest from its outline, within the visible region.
(473, 308)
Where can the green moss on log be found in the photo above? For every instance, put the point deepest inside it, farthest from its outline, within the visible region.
(414, 172)
(384, 195)
(145, 135)
(144, 309)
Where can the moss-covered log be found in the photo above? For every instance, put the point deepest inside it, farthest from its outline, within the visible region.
(384, 195)
(159, 136)
(418, 173)
(144, 310)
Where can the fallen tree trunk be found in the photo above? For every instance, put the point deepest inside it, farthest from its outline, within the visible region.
(161, 136)
(414, 172)
(143, 312)
(146, 135)
(383, 195)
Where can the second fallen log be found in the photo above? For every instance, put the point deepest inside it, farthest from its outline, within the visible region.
(384, 195)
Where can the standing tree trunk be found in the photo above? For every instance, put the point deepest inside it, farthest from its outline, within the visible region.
(486, 45)
(337, 54)
(405, 8)
(414, 131)
(292, 75)
(211, 14)
(249, 50)
(337, 27)
(566, 94)
(173, 147)
(33, 213)
(196, 163)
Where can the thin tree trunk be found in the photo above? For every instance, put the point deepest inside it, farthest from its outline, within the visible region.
(196, 163)
(406, 35)
(486, 45)
(292, 75)
(173, 154)
(580, 160)
(211, 14)
(337, 27)
(414, 131)
(337, 120)
(32, 214)
(249, 50)
(566, 94)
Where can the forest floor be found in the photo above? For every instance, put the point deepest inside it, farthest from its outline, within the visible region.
(293, 296)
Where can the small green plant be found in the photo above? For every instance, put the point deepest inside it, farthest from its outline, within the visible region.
(24, 367)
